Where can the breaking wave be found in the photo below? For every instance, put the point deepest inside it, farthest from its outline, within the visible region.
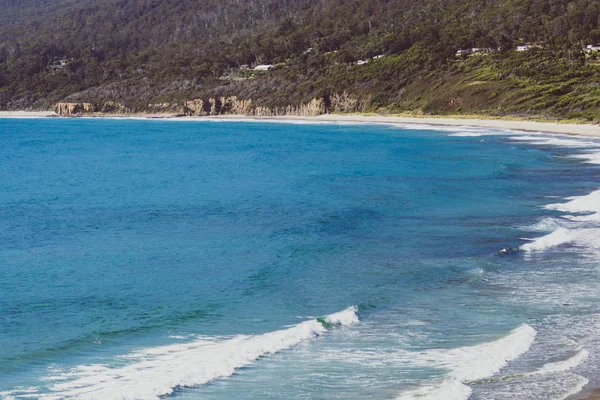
(581, 214)
(467, 364)
(565, 365)
(556, 238)
(155, 372)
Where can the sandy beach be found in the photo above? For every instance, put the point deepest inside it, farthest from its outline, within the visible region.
(26, 114)
(595, 395)
(523, 125)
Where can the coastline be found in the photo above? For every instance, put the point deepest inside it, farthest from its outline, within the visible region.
(521, 125)
(593, 393)
(566, 128)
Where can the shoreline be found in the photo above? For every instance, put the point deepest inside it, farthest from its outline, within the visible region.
(595, 395)
(457, 121)
(520, 125)
(591, 392)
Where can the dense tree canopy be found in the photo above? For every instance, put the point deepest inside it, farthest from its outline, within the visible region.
(151, 50)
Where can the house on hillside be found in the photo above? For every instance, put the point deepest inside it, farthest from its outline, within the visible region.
(379, 56)
(244, 67)
(59, 63)
(263, 67)
(482, 50)
(529, 46)
(590, 47)
(463, 52)
(362, 62)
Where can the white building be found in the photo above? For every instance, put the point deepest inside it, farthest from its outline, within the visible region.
(523, 48)
(462, 52)
(263, 67)
(362, 62)
(591, 47)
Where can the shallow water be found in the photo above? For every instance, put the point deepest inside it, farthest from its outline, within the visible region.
(201, 260)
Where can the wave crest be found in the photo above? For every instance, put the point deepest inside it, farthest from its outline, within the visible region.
(472, 363)
(158, 371)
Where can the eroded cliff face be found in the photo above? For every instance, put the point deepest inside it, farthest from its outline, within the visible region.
(339, 102)
(235, 106)
(218, 106)
(231, 105)
(74, 109)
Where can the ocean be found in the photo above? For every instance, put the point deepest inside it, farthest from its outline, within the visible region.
(143, 259)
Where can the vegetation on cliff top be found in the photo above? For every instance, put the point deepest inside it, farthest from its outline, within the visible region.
(145, 52)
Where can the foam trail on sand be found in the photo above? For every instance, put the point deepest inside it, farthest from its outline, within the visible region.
(467, 364)
(578, 386)
(158, 371)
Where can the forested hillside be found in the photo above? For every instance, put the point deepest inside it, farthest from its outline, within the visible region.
(148, 54)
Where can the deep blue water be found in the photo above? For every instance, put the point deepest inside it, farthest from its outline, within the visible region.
(133, 255)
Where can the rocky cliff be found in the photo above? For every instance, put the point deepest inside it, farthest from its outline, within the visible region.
(73, 109)
(228, 105)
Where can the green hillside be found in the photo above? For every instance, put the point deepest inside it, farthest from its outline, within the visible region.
(149, 55)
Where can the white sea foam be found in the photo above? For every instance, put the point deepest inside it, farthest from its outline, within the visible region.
(564, 365)
(155, 372)
(477, 132)
(182, 337)
(577, 386)
(466, 134)
(555, 140)
(458, 130)
(579, 204)
(556, 238)
(582, 234)
(448, 389)
(433, 127)
(467, 364)
(544, 225)
(346, 317)
(21, 392)
(547, 387)
(592, 157)
(578, 227)
(484, 360)
(416, 322)
(583, 229)
(584, 218)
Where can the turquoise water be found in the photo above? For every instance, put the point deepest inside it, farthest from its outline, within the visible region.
(219, 260)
